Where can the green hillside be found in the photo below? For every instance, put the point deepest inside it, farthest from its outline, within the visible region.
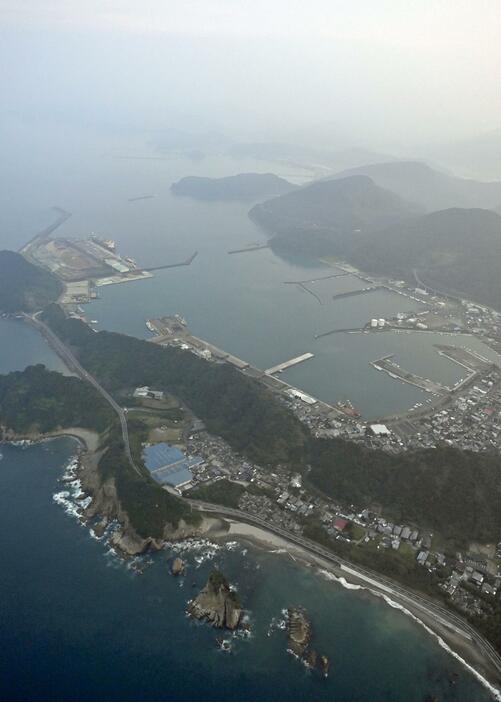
(457, 251)
(23, 286)
(329, 217)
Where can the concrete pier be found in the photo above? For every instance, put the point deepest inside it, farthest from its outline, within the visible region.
(288, 364)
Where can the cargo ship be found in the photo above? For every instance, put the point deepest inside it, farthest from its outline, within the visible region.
(105, 243)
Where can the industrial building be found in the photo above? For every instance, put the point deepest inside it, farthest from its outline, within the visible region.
(169, 466)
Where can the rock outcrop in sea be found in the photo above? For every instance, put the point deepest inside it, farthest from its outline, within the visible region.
(299, 635)
(216, 603)
(178, 566)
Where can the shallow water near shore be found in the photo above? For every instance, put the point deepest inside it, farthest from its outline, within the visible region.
(77, 623)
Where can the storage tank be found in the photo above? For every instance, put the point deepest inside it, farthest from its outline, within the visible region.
(380, 322)
(373, 323)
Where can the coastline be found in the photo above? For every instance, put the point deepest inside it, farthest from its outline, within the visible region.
(87, 438)
(453, 641)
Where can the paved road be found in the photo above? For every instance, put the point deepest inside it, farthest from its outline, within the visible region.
(444, 616)
(384, 585)
(73, 364)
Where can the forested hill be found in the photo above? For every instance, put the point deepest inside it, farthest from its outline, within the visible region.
(456, 250)
(455, 493)
(244, 186)
(328, 217)
(38, 400)
(23, 286)
(231, 404)
(460, 485)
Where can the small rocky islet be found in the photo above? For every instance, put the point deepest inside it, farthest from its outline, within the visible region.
(299, 636)
(217, 604)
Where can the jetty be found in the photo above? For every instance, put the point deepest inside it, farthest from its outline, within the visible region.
(188, 262)
(45, 233)
(141, 197)
(250, 248)
(316, 280)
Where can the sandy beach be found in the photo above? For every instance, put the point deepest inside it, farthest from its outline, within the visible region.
(459, 644)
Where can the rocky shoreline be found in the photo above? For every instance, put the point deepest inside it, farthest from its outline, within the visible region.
(100, 506)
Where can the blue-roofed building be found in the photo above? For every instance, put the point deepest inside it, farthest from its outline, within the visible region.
(168, 465)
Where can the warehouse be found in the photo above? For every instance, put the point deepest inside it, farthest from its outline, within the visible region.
(169, 466)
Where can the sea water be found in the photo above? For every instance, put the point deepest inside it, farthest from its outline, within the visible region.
(79, 623)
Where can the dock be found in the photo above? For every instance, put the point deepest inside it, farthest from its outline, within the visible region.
(288, 364)
(353, 293)
(172, 330)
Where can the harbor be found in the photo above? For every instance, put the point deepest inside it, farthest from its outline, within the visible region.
(173, 330)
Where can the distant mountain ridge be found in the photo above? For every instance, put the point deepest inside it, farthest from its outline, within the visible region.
(455, 250)
(244, 186)
(430, 188)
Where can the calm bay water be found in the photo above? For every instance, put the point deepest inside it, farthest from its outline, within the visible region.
(76, 624)
(238, 302)
(21, 346)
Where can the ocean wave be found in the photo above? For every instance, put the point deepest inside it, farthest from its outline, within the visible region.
(443, 644)
(342, 581)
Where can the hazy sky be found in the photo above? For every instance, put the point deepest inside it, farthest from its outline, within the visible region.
(379, 72)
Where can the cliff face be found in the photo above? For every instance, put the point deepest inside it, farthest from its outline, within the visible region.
(107, 506)
(216, 604)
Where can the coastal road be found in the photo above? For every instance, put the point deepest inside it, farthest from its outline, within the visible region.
(375, 581)
(74, 365)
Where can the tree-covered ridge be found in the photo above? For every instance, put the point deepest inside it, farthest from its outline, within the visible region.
(148, 506)
(39, 400)
(455, 250)
(235, 407)
(456, 493)
(23, 286)
(453, 492)
(330, 216)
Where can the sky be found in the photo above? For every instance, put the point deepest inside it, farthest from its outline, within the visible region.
(380, 73)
